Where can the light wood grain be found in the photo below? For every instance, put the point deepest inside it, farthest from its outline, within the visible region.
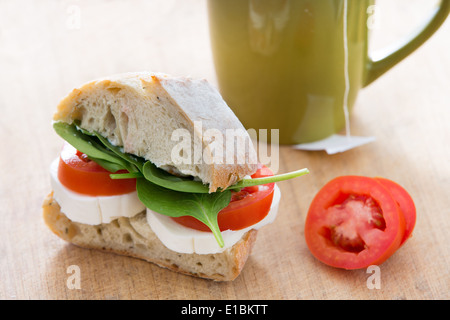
(43, 55)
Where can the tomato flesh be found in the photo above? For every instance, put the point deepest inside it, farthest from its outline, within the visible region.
(349, 220)
(82, 175)
(354, 222)
(247, 207)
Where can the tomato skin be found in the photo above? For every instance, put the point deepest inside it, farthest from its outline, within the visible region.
(247, 207)
(375, 245)
(405, 202)
(82, 175)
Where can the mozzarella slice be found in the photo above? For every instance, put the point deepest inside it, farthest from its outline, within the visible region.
(90, 209)
(186, 240)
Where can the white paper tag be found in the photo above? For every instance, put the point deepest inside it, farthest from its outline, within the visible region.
(335, 143)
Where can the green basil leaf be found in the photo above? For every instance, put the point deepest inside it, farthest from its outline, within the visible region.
(202, 206)
(110, 166)
(164, 179)
(132, 159)
(87, 144)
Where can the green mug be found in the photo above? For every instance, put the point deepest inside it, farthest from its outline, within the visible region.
(297, 65)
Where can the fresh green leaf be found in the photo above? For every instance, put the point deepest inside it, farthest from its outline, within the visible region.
(202, 206)
(136, 162)
(87, 144)
(110, 166)
(164, 179)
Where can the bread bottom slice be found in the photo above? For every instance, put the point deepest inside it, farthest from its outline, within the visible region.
(133, 237)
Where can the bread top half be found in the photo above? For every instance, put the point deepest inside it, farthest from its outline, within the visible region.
(182, 125)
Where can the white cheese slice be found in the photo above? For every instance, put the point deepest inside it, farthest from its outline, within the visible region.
(186, 240)
(92, 210)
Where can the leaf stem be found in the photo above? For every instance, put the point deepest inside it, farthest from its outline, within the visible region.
(130, 175)
(218, 235)
(271, 179)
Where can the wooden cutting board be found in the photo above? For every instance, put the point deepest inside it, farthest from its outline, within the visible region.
(48, 47)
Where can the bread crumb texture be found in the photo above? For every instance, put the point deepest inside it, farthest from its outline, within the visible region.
(133, 237)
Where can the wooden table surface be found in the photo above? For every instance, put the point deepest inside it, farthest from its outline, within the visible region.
(49, 47)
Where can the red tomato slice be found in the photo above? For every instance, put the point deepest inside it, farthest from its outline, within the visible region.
(354, 222)
(80, 174)
(247, 207)
(405, 202)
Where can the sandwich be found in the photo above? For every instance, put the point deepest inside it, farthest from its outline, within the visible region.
(159, 168)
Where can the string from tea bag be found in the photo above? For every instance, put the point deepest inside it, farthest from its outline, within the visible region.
(346, 72)
(336, 142)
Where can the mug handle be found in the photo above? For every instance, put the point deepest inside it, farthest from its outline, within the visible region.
(392, 56)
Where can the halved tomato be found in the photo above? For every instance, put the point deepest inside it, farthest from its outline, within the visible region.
(80, 174)
(354, 222)
(247, 207)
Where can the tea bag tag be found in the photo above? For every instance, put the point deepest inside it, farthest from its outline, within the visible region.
(335, 143)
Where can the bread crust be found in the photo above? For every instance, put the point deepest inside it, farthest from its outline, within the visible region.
(233, 258)
(190, 101)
